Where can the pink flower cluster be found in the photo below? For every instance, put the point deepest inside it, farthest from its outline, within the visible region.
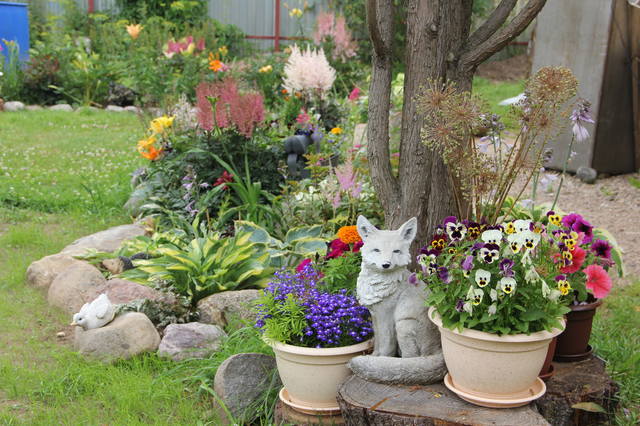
(244, 111)
(334, 28)
(185, 46)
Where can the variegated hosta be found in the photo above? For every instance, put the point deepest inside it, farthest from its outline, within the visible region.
(206, 265)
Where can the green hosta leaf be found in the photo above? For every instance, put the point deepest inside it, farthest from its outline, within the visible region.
(257, 233)
(295, 234)
(310, 246)
(589, 406)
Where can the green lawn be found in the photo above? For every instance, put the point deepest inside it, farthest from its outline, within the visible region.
(494, 93)
(46, 157)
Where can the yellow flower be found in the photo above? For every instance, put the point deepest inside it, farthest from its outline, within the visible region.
(555, 219)
(336, 130)
(223, 50)
(160, 124)
(134, 30)
(265, 69)
(564, 287)
(295, 13)
(509, 228)
(349, 235)
(146, 143)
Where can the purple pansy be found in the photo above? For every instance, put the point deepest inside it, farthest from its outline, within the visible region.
(506, 266)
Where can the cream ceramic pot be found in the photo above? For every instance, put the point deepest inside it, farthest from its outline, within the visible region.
(311, 376)
(489, 365)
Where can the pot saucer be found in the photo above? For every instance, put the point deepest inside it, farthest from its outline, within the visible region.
(535, 391)
(307, 409)
(574, 357)
(549, 374)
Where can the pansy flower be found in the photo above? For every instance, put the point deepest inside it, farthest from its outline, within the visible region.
(477, 297)
(460, 305)
(456, 231)
(492, 236)
(522, 225)
(506, 266)
(489, 253)
(443, 274)
(451, 249)
(509, 227)
(514, 242)
(563, 285)
(508, 285)
(483, 278)
(554, 218)
(439, 241)
(467, 265)
(473, 230)
(529, 239)
(577, 259)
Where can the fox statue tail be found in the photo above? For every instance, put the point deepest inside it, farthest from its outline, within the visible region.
(421, 370)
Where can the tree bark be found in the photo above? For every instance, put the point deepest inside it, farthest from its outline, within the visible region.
(438, 47)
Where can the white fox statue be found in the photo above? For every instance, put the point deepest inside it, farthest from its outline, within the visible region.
(400, 323)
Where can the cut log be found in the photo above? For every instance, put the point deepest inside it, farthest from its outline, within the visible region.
(285, 415)
(579, 382)
(368, 403)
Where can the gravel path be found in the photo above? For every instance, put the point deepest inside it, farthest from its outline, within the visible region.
(612, 203)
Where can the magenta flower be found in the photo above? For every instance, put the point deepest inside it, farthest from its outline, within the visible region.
(355, 94)
(602, 249)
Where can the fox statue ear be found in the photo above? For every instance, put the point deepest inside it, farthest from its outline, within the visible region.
(365, 228)
(409, 229)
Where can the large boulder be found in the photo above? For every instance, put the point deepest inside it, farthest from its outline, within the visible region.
(108, 240)
(191, 340)
(123, 291)
(127, 335)
(241, 381)
(75, 286)
(41, 273)
(219, 308)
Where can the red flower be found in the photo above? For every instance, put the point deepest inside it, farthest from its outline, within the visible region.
(355, 94)
(577, 260)
(357, 246)
(598, 281)
(224, 179)
(302, 265)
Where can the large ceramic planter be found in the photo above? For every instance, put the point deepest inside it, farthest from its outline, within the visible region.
(311, 376)
(573, 343)
(491, 370)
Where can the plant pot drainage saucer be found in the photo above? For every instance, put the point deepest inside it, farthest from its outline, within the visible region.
(307, 409)
(574, 357)
(537, 389)
(550, 372)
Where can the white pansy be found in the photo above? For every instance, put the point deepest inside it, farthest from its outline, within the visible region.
(488, 255)
(508, 285)
(455, 231)
(522, 225)
(493, 236)
(477, 296)
(528, 239)
(514, 242)
(482, 277)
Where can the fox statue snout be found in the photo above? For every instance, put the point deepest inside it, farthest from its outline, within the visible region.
(407, 346)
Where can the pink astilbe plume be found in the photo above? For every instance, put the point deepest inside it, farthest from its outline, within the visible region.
(308, 71)
(233, 109)
(334, 28)
(348, 182)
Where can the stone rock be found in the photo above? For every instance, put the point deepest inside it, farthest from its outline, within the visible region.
(86, 109)
(242, 379)
(108, 240)
(132, 108)
(129, 334)
(61, 107)
(122, 291)
(587, 174)
(219, 308)
(75, 286)
(191, 340)
(13, 106)
(42, 272)
(33, 108)
(114, 108)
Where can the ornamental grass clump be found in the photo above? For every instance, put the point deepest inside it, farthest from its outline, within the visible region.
(483, 172)
(295, 310)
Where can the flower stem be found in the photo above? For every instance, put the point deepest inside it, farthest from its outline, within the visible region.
(564, 170)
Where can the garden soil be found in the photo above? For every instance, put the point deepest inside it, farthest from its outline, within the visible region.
(511, 69)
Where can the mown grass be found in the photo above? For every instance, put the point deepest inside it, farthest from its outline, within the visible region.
(495, 92)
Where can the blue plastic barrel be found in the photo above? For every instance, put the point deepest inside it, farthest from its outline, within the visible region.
(14, 26)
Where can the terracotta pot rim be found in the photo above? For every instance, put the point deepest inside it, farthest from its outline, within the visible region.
(434, 316)
(587, 307)
(301, 350)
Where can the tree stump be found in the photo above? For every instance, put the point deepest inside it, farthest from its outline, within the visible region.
(368, 403)
(578, 382)
(286, 415)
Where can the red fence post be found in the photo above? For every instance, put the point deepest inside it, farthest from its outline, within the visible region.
(91, 6)
(276, 42)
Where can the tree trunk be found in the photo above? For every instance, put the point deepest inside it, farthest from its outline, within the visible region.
(438, 47)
